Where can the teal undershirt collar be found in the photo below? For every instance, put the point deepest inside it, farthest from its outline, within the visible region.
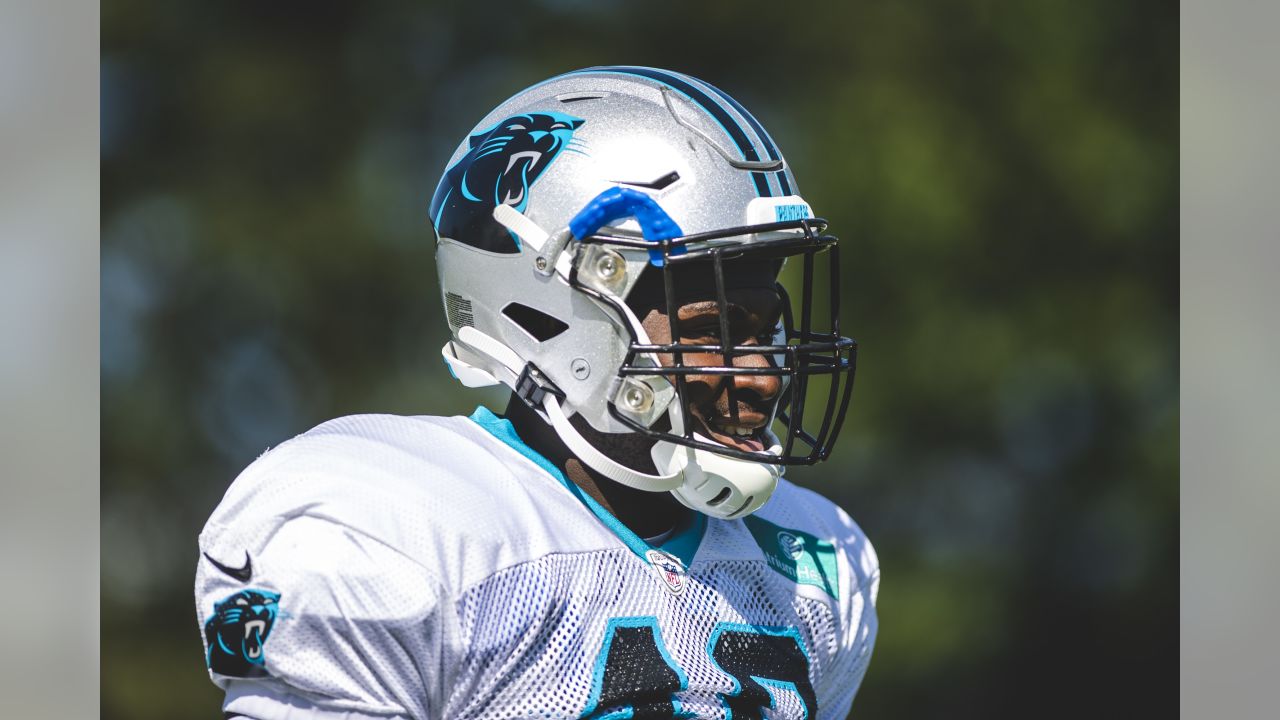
(683, 543)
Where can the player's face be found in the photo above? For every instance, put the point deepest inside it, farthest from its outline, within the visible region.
(732, 410)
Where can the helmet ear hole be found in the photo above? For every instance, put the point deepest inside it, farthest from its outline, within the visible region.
(539, 325)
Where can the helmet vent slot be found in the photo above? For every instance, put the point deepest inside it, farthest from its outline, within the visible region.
(661, 183)
(746, 504)
(720, 497)
(458, 311)
(579, 97)
(539, 325)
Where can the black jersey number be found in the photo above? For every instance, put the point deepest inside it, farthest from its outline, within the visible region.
(634, 672)
(635, 676)
(757, 657)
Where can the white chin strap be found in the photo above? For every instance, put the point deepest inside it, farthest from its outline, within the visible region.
(702, 480)
(578, 445)
(601, 463)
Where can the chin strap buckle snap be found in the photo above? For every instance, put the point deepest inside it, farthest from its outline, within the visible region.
(532, 386)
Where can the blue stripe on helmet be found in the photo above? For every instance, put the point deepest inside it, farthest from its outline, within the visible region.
(713, 108)
(769, 147)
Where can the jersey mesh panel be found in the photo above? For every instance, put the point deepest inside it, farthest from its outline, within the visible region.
(535, 631)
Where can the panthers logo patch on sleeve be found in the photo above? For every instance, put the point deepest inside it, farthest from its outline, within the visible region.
(238, 630)
(502, 164)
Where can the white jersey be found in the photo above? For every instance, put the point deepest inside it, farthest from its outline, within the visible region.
(423, 567)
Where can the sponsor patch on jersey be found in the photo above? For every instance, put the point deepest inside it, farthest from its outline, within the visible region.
(669, 570)
(790, 544)
(237, 632)
(801, 557)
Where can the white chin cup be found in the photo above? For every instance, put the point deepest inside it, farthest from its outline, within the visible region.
(707, 475)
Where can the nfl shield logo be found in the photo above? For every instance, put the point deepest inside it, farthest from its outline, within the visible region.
(669, 570)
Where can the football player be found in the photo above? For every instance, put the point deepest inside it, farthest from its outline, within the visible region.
(620, 541)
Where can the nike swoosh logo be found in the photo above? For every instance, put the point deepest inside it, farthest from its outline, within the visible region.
(241, 573)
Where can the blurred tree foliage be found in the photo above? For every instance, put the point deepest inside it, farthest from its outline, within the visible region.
(1003, 176)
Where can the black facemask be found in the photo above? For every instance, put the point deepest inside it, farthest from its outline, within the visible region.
(693, 267)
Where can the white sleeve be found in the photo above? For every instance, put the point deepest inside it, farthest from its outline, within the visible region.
(860, 583)
(329, 623)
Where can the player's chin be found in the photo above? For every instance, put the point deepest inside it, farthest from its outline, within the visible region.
(746, 439)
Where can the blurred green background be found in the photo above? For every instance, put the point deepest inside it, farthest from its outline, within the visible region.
(1004, 179)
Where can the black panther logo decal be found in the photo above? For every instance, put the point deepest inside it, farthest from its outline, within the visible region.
(238, 629)
(502, 164)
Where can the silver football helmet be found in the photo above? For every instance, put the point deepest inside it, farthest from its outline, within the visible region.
(547, 216)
